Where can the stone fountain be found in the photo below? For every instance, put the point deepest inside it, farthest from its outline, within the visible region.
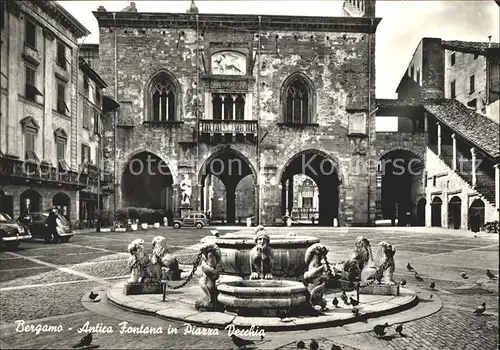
(263, 280)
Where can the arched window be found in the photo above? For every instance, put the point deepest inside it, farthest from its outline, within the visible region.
(163, 98)
(297, 98)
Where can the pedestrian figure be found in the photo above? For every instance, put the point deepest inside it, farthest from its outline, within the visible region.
(475, 222)
(52, 226)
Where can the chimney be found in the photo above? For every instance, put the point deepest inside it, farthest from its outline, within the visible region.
(489, 41)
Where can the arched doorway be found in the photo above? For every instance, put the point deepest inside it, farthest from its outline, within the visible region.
(436, 212)
(227, 182)
(421, 212)
(147, 183)
(477, 206)
(326, 176)
(63, 203)
(454, 212)
(6, 203)
(401, 172)
(31, 201)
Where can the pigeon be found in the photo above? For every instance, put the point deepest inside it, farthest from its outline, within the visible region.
(433, 285)
(464, 275)
(240, 342)
(490, 275)
(215, 233)
(301, 345)
(344, 297)
(282, 314)
(418, 278)
(431, 296)
(380, 329)
(335, 347)
(335, 302)
(410, 268)
(399, 329)
(403, 282)
(353, 301)
(93, 296)
(313, 345)
(480, 309)
(85, 341)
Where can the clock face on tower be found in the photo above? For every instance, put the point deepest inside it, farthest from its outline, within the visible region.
(228, 63)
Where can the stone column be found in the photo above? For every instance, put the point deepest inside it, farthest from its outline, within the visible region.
(230, 203)
(473, 154)
(439, 138)
(453, 136)
(284, 194)
(290, 196)
(497, 185)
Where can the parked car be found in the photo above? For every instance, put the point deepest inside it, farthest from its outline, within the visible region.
(12, 232)
(193, 219)
(37, 224)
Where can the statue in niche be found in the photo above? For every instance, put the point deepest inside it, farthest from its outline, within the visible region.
(261, 256)
(186, 191)
(228, 63)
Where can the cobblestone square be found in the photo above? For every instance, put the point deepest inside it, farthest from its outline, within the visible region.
(48, 285)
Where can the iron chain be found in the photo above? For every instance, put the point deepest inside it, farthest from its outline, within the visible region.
(196, 263)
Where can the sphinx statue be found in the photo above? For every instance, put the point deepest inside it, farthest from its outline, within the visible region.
(163, 265)
(211, 256)
(261, 256)
(138, 262)
(316, 275)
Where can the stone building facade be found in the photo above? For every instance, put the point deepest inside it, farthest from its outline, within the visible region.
(267, 97)
(445, 100)
(41, 132)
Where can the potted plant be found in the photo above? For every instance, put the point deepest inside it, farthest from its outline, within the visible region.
(144, 217)
(105, 220)
(121, 220)
(133, 216)
(157, 217)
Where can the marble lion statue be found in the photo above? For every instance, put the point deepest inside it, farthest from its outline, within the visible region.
(138, 261)
(361, 256)
(383, 260)
(161, 261)
(316, 275)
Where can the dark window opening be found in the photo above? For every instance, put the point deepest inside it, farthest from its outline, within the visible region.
(29, 146)
(61, 57)
(471, 83)
(30, 34)
(228, 107)
(163, 102)
(31, 90)
(476, 55)
(412, 69)
(62, 107)
(297, 103)
(434, 181)
(418, 76)
(86, 116)
(60, 149)
(85, 154)
(452, 58)
(452, 90)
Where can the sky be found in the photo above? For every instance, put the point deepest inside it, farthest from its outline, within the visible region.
(403, 25)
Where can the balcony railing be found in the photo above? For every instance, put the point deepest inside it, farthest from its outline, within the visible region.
(24, 171)
(209, 126)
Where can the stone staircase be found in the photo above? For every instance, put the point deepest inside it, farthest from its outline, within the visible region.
(485, 185)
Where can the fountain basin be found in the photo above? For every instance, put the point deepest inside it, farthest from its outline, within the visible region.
(288, 261)
(261, 297)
